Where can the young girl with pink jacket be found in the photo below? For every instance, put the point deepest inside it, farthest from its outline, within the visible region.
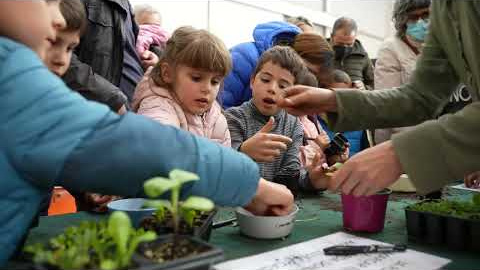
(181, 90)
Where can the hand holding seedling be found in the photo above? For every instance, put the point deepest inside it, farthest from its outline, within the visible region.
(265, 146)
(368, 171)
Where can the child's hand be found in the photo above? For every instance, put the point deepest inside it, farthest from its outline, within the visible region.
(472, 180)
(271, 199)
(316, 172)
(264, 146)
(322, 140)
(98, 202)
(340, 158)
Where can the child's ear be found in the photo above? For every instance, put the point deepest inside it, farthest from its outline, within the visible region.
(166, 72)
(252, 79)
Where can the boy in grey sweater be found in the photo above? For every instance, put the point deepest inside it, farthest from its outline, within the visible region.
(268, 134)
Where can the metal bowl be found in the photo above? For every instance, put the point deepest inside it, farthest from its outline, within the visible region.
(265, 227)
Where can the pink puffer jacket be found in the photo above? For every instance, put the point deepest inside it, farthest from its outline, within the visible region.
(151, 34)
(157, 103)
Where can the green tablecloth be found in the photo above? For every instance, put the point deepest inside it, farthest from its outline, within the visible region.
(318, 216)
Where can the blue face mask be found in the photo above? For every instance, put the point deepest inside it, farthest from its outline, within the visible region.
(418, 30)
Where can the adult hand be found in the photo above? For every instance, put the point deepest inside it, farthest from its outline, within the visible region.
(271, 198)
(264, 146)
(148, 59)
(303, 100)
(368, 171)
(316, 172)
(472, 180)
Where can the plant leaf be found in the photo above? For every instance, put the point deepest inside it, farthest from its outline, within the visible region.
(108, 265)
(198, 203)
(119, 227)
(158, 204)
(182, 177)
(147, 236)
(156, 186)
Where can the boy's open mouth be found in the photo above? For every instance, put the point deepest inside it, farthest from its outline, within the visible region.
(269, 101)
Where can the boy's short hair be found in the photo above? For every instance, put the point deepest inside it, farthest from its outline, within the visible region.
(340, 76)
(307, 78)
(75, 16)
(285, 57)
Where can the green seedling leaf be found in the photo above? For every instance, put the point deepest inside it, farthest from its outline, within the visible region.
(108, 265)
(147, 237)
(189, 216)
(337, 165)
(476, 199)
(157, 204)
(182, 177)
(156, 186)
(119, 226)
(198, 203)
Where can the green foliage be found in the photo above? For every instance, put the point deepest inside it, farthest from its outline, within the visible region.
(461, 209)
(476, 199)
(157, 186)
(93, 245)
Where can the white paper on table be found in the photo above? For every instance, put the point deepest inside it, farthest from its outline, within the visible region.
(462, 186)
(309, 256)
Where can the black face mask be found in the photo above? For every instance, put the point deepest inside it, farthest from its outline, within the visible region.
(342, 51)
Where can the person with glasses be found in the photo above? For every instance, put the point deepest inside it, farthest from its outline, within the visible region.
(398, 55)
(433, 153)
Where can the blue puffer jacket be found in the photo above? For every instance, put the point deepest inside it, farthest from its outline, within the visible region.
(52, 136)
(245, 56)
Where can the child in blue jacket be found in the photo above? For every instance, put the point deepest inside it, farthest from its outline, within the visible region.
(52, 136)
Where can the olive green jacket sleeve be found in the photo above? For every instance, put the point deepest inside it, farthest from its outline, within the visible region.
(435, 152)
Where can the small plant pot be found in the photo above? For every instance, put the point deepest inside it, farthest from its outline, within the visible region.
(133, 207)
(434, 228)
(202, 227)
(365, 213)
(180, 252)
(415, 225)
(456, 233)
(265, 227)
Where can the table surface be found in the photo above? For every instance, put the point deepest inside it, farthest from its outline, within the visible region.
(319, 215)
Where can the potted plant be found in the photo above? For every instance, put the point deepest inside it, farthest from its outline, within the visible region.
(104, 245)
(176, 250)
(193, 216)
(439, 221)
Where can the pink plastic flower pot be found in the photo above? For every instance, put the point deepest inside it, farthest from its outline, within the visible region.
(365, 213)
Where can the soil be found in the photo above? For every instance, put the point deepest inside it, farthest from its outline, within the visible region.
(166, 225)
(169, 251)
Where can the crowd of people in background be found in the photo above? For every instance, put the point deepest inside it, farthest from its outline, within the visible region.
(218, 108)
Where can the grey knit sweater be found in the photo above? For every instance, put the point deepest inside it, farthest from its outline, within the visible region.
(246, 120)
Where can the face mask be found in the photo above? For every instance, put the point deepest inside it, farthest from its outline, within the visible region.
(342, 51)
(418, 31)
